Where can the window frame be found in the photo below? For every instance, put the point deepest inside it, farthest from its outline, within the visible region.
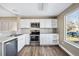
(65, 31)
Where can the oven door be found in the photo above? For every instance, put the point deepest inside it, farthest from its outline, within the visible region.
(34, 38)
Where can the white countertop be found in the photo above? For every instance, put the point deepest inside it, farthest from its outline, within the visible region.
(5, 39)
(8, 38)
(51, 34)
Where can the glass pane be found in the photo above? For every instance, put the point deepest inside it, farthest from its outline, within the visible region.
(72, 26)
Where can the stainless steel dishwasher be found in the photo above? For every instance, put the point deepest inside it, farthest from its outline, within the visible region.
(10, 48)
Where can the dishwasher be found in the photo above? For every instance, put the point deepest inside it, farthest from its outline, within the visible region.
(10, 48)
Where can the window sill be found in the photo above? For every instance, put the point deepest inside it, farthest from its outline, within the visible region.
(72, 43)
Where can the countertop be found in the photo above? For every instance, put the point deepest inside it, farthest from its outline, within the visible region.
(5, 39)
(8, 38)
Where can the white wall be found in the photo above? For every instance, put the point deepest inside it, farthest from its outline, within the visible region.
(73, 50)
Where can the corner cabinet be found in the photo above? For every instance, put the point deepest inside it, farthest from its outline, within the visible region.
(49, 39)
(23, 40)
(48, 23)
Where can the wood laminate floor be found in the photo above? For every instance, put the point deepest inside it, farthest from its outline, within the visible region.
(42, 51)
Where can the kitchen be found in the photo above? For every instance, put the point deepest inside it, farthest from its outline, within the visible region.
(30, 33)
(34, 29)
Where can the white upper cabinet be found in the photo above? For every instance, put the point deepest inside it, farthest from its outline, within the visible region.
(44, 23)
(54, 23)
(48, 23)
(8, 26)
(34, 20)
(24, 23)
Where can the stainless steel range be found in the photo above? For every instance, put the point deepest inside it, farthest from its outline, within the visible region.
(35, 34)
(35, 37)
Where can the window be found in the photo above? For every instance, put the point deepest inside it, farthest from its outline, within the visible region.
(72, 26)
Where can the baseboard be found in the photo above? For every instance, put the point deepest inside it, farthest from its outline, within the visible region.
(66, 50)
(48, 45)
(42, 45)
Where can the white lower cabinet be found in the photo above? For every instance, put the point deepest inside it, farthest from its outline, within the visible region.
(48, 39)
(21, 42)
(27, 39)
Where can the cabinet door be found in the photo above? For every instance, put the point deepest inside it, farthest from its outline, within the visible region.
(42, 23)
(45, 23)
(48, 23)
(48, 39)
(20, 43)
(0, 26)
(44, 39)
(54, 23)
(53, 39)
(8, 26)
(27, 22)
(12, 26)
(23, 41)
(27, 39)
(4, 26)
(56, 38)
(24, 23)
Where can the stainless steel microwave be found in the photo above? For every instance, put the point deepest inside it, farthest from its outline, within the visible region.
(35, 25)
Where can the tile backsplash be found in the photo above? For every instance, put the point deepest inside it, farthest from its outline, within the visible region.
(42, 30)
(55, 30)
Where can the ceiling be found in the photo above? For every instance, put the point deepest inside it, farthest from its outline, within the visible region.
(35, 9)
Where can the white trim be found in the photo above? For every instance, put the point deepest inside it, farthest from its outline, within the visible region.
(66, 50)
(72, 43)
(65, 16)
